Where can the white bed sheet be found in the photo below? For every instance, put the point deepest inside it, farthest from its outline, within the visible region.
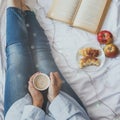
(99, 90)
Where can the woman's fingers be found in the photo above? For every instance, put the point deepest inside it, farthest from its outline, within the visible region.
(55, 86)
(31, 78)
(53, 79)
(57, 78)
(30, 82)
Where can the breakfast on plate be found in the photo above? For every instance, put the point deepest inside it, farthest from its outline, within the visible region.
(87, 61)
(92, 52)
(89, 57)
(111, 50)
(105, 37)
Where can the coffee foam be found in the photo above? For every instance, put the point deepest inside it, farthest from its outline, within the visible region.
(41, 81)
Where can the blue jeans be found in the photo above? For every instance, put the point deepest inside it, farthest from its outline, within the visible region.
(27, 51)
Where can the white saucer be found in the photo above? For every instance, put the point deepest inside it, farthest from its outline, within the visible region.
(101, 57)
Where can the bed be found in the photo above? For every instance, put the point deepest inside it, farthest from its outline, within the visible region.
(98, 88)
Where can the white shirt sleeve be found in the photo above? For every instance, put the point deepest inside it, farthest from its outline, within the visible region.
(23, 109)
(64, 107)
(31, 112)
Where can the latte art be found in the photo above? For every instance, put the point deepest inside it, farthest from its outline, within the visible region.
(41, 81)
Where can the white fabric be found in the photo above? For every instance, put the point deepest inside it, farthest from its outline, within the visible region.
(63, 107)
(99, 90)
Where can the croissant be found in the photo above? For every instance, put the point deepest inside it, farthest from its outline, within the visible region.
(86, 61)
(89, 52)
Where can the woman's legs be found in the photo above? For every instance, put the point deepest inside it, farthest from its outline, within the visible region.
(41, 52)
(19, 61)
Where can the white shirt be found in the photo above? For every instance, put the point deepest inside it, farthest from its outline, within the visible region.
(63, 107)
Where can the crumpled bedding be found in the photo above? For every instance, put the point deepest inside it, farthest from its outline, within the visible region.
(98, 89)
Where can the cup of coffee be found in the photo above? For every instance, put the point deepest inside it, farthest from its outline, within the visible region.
(41, 81)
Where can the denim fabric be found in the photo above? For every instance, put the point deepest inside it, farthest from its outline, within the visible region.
(27, 51)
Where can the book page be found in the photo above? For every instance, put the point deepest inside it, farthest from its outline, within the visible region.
(63, 10)
(89, 14)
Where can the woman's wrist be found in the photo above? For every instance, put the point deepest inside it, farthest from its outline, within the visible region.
(37, 104)
(51, 98)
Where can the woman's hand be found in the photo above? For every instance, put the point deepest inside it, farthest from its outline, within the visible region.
(55, 86)
(37, 97)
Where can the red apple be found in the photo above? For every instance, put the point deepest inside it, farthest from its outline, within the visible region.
(105, 37)
(111, 50)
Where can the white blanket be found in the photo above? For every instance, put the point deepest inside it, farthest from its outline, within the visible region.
(99, 90)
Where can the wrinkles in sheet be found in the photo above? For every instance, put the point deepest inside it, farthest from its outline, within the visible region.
(65, 41)
(2, 55)
(95, 89)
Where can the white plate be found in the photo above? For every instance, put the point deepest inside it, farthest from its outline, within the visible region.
(101, 57)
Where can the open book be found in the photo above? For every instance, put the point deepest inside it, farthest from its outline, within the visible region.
(85, 14)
